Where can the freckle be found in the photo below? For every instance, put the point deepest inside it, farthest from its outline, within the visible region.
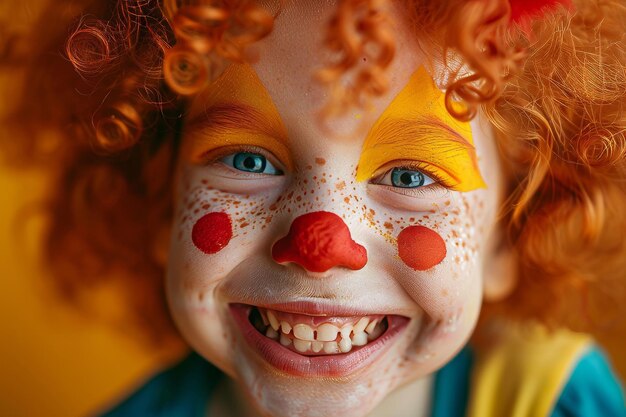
(312, 191)
(204, 182)
(444, 292)
(273, 207)
(347, 200)
(305, 181)
(309, 167)
(323, 180)
(412, 219)
(320, 161)
(215, 200)
(426, 217)
(340, 185)
(372, 212)
(388, 225)
(289, 195)
(196, 211)
(299, 198)
(447, 203)
(244, 224)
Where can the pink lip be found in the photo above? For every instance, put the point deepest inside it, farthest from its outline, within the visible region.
(320, 309)
(316, 366)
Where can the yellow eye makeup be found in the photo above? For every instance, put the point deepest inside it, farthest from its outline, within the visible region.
(417, 129)
(236, 110)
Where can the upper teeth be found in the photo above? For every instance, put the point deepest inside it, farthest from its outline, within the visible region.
(323, 337)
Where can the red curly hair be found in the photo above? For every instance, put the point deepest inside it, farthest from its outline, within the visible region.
(104, 118)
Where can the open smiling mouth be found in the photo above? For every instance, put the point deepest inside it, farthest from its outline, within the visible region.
(310, 335)
(315, 345)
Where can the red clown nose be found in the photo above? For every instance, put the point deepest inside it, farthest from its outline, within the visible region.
(319, 241)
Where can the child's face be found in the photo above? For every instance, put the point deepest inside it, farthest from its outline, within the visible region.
(257, 163)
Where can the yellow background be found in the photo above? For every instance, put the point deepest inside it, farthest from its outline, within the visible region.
(55, 361)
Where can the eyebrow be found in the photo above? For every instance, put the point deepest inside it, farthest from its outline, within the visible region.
(227, 117)
(425, 130)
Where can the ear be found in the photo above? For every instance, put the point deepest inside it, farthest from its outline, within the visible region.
(500, 274)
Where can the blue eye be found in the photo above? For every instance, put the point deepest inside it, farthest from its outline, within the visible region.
(406, 178)
(251, 162)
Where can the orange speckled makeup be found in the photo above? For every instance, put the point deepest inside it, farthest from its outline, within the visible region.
(417, 130)
(236, 113)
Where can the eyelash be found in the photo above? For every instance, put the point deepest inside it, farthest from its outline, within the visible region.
(214, 157)
(420, 192)
(413, 166)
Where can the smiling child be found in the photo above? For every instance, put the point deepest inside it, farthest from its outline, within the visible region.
(341, 188)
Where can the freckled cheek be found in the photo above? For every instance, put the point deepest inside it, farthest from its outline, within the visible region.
(441, 284)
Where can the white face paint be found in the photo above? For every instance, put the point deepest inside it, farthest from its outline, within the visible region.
(250, 188)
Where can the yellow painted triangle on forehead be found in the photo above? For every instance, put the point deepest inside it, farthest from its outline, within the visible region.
(416, 127)
(422, 97)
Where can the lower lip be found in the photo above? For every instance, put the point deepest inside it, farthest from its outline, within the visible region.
(316, 366)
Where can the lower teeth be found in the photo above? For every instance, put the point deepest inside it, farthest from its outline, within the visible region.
(343, 345)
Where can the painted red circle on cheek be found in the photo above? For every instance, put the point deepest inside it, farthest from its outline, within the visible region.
(420, 247)
(212, 232)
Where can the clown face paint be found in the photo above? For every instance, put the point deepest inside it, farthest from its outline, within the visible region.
(421, 248)
(416, 127)
(320, 241)
(390, 287)
(212, 232)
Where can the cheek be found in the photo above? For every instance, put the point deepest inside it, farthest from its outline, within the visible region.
(421, 248)
(212, 232)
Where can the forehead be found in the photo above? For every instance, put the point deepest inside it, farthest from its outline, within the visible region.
(291, 55)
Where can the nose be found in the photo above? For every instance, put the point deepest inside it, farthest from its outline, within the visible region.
(319, 241)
